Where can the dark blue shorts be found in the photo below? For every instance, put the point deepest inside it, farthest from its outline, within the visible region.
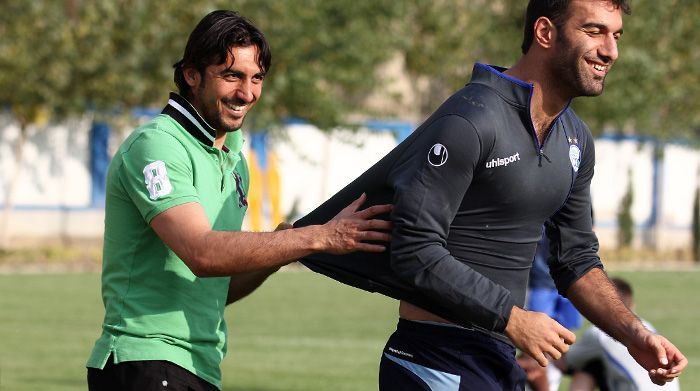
(430, 357)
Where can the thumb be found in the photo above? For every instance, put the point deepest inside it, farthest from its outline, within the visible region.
(659, 350)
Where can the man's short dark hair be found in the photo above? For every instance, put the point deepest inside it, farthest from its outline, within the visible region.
(554, 10)
(211, 41)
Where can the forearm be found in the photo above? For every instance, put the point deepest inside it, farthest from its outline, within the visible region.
(222, 253)
(243, 284)
(468, 296)
(208, 253)
(596, 298)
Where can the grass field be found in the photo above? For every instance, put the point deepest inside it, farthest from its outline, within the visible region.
(298, 332)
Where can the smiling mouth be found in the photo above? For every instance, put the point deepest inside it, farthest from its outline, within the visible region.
(600, 67)
(239, 109)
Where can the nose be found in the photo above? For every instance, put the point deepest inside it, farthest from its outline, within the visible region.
(609, 48)
(245, 91)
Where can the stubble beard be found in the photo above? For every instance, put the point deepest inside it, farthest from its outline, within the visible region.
(214, 116)
(571, 69)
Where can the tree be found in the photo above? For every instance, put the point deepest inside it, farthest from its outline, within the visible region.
(324, 57)
(443, 39)
(625, 221)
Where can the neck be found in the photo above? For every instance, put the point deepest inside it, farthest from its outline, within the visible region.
(547, 101)
(220, 139)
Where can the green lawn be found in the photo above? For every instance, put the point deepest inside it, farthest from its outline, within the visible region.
(300, 331)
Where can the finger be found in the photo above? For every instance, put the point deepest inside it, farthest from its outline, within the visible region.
(679, 364)
(538, 356)
(376, 236)
(355, 204)
(541, 359)
(554, 353)
(561, 346)
(370, 248)
(566, 334)
(376, 225)
(678, 360)
(374, 210)
(663, 374)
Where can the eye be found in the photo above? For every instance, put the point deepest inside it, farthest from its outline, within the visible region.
(230, 76)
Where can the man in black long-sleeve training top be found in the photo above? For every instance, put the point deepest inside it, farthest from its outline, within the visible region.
(471, 189)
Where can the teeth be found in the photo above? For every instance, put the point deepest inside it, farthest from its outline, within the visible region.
(599, 67)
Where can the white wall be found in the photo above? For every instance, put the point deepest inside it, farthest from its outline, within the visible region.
(679, 180)
(315, 165)
(55, 166)
(617, 163)
(54, 188)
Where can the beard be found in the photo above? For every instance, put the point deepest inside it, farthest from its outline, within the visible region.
(213, 113)
(573, 73)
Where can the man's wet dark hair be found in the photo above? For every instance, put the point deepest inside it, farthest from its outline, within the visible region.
(556, 11)
(211, 41)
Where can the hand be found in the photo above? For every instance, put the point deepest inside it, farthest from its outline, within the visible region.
(350, 229)
(538, 335)
(658, 356)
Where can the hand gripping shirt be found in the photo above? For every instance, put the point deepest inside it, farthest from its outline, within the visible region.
(471, 189)
(155, 307)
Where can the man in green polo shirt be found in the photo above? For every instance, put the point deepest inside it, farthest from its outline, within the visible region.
(174, 255)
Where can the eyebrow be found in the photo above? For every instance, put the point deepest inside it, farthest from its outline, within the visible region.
(235, 72)
(601, 27)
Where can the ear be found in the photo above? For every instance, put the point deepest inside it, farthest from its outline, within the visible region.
(545, 32)
(192, 76)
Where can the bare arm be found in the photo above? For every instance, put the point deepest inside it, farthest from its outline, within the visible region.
(243, 284)
(595, 296)
(208, 253)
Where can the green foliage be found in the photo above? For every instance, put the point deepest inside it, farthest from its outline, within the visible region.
(69, 56)
(324, 56)
(625, 222)
(444, 38)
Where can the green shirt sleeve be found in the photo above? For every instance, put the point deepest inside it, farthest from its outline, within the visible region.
(157, 173)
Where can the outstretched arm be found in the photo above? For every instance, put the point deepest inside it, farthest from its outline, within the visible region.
(595, 296)
(186, 230)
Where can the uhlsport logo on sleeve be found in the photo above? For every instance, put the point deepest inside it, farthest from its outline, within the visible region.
(157, 181)
(437, 155)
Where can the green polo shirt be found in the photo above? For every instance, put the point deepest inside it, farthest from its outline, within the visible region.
(155, 307)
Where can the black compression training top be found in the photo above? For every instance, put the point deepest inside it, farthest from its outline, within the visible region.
(471, 189)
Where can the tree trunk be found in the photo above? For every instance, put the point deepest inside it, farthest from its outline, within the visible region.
(5, 229)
